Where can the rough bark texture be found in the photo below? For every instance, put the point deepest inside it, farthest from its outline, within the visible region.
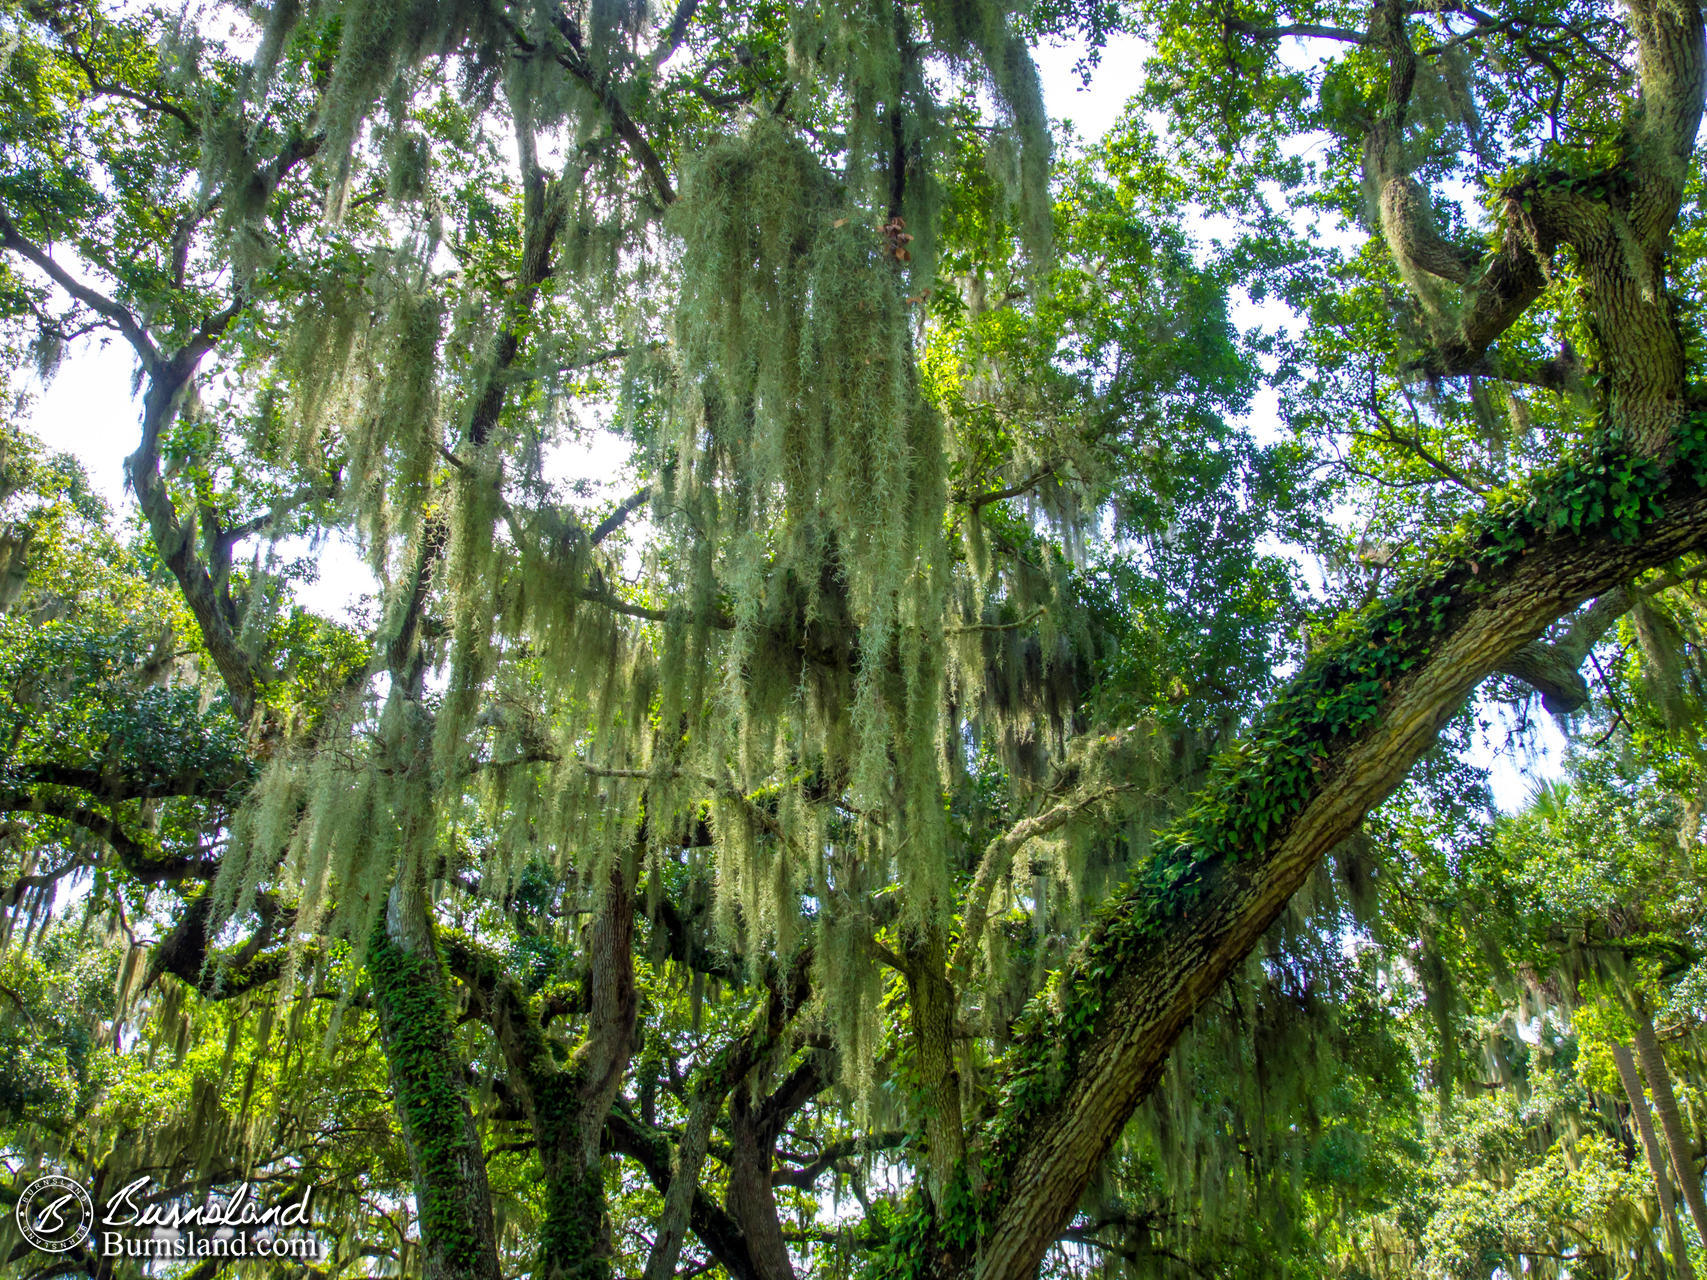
(672, 1225)
(757, 1118)
(567, 1106)
(1149, 1000)
(216, 614)
(1632, 1081)
(751, 1201)
(571, 1108)
(711, 1086)
(1671, 1121)
(1553, 669)
(1619, 223)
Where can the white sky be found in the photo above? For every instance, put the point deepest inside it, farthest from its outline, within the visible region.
(89, 410)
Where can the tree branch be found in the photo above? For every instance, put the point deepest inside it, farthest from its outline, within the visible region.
(576, 62)
(120, 317)
(167, 378)
(1299, 30)
(614, 521)
(1135, 996)
(673, 35)
(993, 865)
(1552, 669)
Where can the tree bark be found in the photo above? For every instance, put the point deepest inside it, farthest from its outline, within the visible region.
(571, 1107)
(1620, 226)
(930, 1011)
(751, 1200)
(684, 1182)
(757, 1118)
(1553, 670)
(716, 1228)
(711, 1086)
(568, 1107)
(453, 1203)
(1145, 997)
(1627, 1073)
(1665, 1106)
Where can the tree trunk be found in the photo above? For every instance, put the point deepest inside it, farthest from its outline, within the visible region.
(1123, 1005)
(570, 1109)
(1671, 1122)
(751, 1200)
(452, 1201)
(1656, 1161)
(562, 1103)
(930, 1010)
(684, 1183)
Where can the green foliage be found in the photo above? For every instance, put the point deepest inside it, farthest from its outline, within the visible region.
(793, 490)
(1256, 789)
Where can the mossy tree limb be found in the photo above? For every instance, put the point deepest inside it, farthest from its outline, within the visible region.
(931, 1008)
(711, 1086)
(1554, 670)
(758, 1115)
(1618, 221)
(1311, 773)
(453, 1201)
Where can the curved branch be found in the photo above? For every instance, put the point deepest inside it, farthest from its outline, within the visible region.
(174, 539)
(1140, 986)
(998, 857)
(1552, 669)
(120, 317)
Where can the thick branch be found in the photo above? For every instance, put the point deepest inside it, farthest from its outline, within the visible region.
(1496, 289)
(1671, 64)
(1552, 670)
(674, 34)
(716, 1229)
(542, 221)
(711, 1086)
(130, 780)
(806, 1176)
(174, 539)
(614, 521)
(1140, 992)
(141, 861)
(1294, 30)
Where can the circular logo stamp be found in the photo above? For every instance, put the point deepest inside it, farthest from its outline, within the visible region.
(55, 1213)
